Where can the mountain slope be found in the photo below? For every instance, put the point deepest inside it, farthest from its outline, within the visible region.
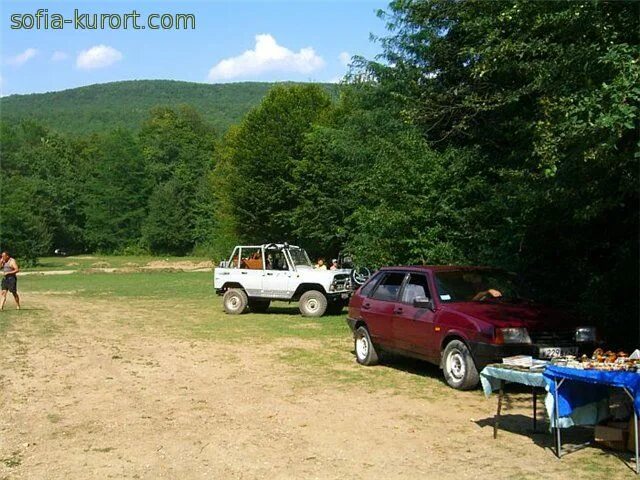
(101, 107)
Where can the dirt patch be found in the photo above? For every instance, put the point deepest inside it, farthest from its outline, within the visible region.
(178, 265)
(100, 264)
(48, 272)
(101, 399)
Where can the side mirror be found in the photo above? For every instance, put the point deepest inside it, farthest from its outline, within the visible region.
(223, 264)
(423, 302)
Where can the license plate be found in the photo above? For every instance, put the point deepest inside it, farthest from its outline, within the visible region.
(344, 296)
(553, 352)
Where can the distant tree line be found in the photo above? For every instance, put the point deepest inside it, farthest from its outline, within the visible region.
(496, 133)
(117, 192)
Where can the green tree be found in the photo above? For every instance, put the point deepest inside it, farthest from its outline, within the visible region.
(178, 147)
(116, 192)
(255, 187)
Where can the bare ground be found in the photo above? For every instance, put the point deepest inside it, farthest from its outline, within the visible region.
(85, 395)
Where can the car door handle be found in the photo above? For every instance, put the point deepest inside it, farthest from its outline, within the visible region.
(269, 273)
(366, 305)
(398, 310)
(243, 273)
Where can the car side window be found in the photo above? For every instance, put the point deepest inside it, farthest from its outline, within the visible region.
(368, 287)
(389, 286)
(416, 286)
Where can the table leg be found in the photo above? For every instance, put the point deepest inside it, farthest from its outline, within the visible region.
(496, 421)
(556, 417)
(635, 431)
(535, 409)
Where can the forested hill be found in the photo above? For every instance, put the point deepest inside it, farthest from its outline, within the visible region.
(100, 107)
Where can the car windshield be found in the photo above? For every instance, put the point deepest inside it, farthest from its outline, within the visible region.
(300, 257)
(480, 286)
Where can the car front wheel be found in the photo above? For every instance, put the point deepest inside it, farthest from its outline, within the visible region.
(235, 301)
(459, 368)
(365, 351)
(313, 304)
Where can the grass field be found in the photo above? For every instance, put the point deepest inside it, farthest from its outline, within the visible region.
(140, 374)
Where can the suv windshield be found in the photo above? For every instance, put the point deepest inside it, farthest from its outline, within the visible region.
(479, 285)
(300, 257)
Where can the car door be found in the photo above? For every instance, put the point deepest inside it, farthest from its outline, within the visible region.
(413, 329)
(377, 310)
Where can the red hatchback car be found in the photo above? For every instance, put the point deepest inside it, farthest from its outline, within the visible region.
(460, 318)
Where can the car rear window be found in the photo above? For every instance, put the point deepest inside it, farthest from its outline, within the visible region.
(389, 286)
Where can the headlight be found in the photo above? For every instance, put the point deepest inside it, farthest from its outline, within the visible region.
(585, 334)
(512, 335)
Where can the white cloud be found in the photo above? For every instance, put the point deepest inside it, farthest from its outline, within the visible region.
(59, 56)
(267, 56)
(345, 58)
(22, 58)
(99, 56)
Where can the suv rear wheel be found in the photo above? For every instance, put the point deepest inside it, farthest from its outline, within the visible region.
(365, 351)
(235, 301)
(459, 368)
(313, 304)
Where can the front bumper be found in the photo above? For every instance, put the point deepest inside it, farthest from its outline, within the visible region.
(485, 353)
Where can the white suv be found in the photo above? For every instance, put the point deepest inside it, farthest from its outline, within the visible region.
(256, 274)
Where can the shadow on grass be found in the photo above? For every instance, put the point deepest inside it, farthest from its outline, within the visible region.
(412, 366)
(574, 439)
(292, 309)
(283, 310)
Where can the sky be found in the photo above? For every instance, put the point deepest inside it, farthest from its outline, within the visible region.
(233, 41)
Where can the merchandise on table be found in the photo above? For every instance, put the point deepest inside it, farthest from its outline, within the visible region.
(601, 360)
(524, 361)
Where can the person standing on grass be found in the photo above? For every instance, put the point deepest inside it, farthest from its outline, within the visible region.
(9, 279)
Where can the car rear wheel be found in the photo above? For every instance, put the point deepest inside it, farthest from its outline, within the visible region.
(259, 306)
(365, 351)
(459, 368)
(235, 301)
(313, 304)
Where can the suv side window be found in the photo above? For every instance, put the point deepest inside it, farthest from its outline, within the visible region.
(417, 286)
(389, 286)
(368, 287)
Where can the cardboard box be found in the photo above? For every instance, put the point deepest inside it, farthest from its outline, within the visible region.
(631, 443)
(614, 435)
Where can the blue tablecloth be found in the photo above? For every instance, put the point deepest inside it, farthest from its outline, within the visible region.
(490, 377)
(589, 411)
(582, 387)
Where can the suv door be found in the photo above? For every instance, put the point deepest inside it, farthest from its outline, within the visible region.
(413, 328)
(377, 309)
(277, 281)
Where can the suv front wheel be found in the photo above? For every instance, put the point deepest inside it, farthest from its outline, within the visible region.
(459, 368)
(313, 304)
(235, 301)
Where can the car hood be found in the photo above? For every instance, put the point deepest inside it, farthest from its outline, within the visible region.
(534, 317)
